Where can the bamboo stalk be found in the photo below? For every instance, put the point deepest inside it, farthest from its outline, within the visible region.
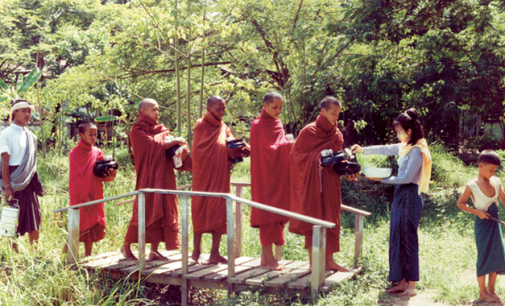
(177, 73)
(189, 140)
(203, 61)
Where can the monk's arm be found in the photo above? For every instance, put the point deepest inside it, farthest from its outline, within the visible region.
(6, 176)
(463, 206)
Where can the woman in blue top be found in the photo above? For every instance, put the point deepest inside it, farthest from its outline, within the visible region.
(414, 171)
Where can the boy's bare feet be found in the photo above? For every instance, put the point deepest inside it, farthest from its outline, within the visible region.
(494, 295)
(486, 297)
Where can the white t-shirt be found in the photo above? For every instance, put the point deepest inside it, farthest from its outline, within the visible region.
(13, 142)
(480, 200)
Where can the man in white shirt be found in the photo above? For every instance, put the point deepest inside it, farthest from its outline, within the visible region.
(18, 150)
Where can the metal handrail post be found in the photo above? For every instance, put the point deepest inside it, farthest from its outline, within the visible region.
(185, 249)
(318, 259)
(238, 223)
(73, 236)
(358, 238)
(142, 231)
(231, 243)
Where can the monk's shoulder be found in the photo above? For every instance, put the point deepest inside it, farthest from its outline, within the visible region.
(198, 125)
(308, 129)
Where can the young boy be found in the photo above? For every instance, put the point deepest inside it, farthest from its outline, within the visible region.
(270, 150)
(485, 190)
(84, 186)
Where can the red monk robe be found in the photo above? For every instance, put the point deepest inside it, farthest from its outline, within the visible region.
(154, 170)
(315, 192)
(210, 173)
(269, 176)
(84, 186)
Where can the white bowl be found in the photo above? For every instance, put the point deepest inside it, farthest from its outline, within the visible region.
(378, 172)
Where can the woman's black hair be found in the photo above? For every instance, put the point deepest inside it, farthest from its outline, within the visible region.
(408, 120)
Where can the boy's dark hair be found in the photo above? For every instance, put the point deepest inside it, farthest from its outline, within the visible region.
(328, 101)
(489, 157)
(270, 96)
(408, 120)
(84, 126)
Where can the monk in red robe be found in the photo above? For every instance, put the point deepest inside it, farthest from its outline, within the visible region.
(315, 191)
(155, 170)
(211, 173)
(270, 176)
(84, 186)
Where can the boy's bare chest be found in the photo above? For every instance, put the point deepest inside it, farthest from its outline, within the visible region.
(487, 188)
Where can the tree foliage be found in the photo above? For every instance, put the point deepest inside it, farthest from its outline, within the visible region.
(444, 57)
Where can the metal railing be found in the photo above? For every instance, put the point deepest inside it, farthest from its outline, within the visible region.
(233, 227)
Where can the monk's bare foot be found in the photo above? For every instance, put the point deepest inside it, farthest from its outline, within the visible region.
(65, 248)
(275, 266)
(409, 292)
(127, 253)
(331, 265)
(215, 259)
(401, 287)
(155, 255)
(486, 298)
(195, 256)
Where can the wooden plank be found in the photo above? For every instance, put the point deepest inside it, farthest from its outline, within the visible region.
(282, 281)
(173, 266)
(258, 280)
(154, 263)
(99, 256)
(223, 275)
(303, 283)
(216, 268)
(191, 267)
(338, 277)
(103, 262)
(241, 278)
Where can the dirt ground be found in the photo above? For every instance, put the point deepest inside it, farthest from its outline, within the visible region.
(423, 298)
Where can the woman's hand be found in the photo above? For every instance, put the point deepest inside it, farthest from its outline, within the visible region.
(378, 179)
(357, 148)
(353, 177)
(482, 214)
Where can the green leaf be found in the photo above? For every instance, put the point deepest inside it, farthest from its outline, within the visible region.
(31, 78)
(4, 98)
(106, 118)
(20, 82)
(3, 85)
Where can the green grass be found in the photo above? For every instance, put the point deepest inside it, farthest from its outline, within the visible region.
(447, 247)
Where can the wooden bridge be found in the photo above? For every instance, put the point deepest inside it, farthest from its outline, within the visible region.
(241, 273)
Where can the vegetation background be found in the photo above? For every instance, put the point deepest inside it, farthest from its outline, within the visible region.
(379, 57)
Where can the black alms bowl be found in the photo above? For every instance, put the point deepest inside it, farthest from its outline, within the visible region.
(102, 167)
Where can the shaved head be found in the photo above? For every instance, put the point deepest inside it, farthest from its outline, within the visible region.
(270, 96)
(86, 125)
(214, 99)
(146, 103)
(328, 101)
